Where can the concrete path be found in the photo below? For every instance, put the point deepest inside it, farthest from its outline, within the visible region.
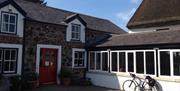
(71, 88)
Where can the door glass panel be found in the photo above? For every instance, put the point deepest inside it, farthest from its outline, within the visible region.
(105, 61)
(140, 62)
(98, 61)
(41, 57)
(165, 63)
(114, 61)
(47, 57)
(130, 62)
(176, 59)
(150, 65)
(122, 62)
(92, 61)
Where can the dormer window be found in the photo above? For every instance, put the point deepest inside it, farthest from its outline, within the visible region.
(76, 32)
(8, 23)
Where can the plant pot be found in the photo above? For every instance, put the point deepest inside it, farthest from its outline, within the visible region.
(34, 84)
(66, 81)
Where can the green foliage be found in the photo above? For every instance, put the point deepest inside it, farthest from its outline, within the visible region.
(65, 73)
(31, 76)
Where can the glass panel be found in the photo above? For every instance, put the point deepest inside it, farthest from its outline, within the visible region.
(98, 61)
(114, 61)
(12, 66)
(105, 61)
(12, 19)
(130, 62)
(150, 65)
(7, 54)
(92, 61)
(6, 65)
(11, 28)
(176, 59)
(1, 54)
(122, 62)
(13, 54)
(140, 62)
(165, 63)
(47, 56)
(5, 27)
(6, 17)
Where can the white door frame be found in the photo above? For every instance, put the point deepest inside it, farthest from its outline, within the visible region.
(39, 46)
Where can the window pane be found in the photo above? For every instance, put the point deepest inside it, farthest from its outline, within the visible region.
(130, 62)
(5, 17)
(1, 54)
(6, 66)
(7, 54)
(12, 19)
(150, 65)
(165, 63)
(105, 61)
(12, 66)
(176, 58)
(92, 61)
(98, 61)
(11, 28)
(5, 27)
(140, 62)
(13, 54)
(114, 61)
(122, 62)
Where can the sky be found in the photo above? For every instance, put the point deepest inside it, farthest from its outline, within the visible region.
(117, 11)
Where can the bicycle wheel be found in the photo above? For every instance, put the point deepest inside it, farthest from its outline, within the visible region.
(129, 85)
(149, 88)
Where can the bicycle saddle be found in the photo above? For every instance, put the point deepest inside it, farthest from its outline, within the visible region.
(132, 75)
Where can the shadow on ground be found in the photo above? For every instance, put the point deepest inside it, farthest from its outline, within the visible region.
(71, 88)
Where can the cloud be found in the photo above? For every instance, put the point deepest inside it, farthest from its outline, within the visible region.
(135, 1)
(125, 16)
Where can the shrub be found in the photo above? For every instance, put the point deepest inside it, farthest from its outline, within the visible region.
(16, 83)
(65, 73)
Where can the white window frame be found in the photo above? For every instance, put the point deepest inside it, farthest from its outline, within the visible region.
(2, 23)
(134, 55)
(78, 38)
(171, 63)
(10, 60)
(100, 70)
(73, 57)
(1, 59)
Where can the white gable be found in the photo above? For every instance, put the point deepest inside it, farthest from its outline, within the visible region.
(69, 29)
(20, 22)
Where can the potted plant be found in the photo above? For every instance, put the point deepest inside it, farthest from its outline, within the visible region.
(65, 76)
(16, 83)
(32, 79)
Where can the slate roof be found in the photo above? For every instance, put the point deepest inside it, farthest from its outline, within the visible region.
(48, 14)
(156, 13)
(144, 38)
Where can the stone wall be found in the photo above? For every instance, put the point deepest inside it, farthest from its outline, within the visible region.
(51, 34)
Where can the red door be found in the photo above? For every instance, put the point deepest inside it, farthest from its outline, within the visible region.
(48, 66)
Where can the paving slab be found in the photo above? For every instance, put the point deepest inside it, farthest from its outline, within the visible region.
(71, 88)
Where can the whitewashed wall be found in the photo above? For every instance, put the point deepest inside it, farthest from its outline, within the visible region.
(115, 81)
(20, 21)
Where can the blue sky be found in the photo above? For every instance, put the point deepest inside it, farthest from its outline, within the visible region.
(118, 11)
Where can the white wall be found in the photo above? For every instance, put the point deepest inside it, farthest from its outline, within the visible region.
(115, 81)
(20, 22)
(69, 28)
(173, 27)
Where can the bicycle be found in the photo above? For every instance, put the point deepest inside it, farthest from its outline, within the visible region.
(137, 84)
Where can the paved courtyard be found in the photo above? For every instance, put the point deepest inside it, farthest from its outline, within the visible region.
(71, 88)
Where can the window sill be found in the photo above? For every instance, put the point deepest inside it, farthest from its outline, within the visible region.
(9, 35)
(79, 67)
